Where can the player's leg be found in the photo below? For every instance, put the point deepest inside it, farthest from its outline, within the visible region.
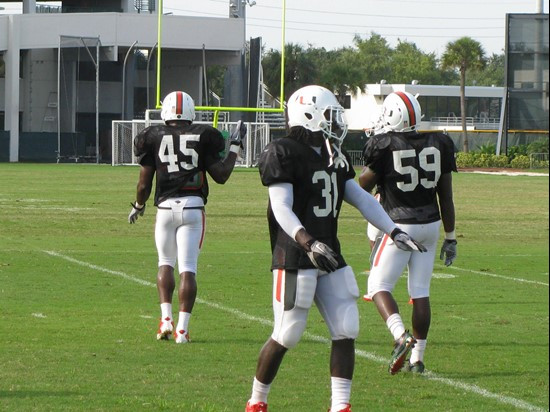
(336, 299)
(165, 236)
(387, 266)
(420, 274)
(293, 294)
(189, 237)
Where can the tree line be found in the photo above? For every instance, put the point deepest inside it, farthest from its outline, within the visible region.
(371, 60)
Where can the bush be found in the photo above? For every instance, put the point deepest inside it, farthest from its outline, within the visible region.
(464, 160)
(520, 162)
(540, 146)
(489, 148)
(499, 161)
(519, 150)
(481, 160)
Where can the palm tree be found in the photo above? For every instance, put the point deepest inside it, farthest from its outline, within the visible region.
(463, 54)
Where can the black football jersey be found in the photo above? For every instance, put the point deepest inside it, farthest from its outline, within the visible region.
(180, 155)
(318, 191)
(409, 166)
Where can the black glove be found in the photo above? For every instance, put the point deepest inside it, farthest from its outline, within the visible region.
(448, 251)
(238, 134)
(135, 212)
(322, 256)
(404, 242)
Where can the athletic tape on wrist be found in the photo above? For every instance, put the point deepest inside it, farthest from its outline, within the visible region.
(450, 235)
(234, 148)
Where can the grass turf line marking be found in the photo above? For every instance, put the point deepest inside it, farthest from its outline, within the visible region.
(493, 275)
(518, 403)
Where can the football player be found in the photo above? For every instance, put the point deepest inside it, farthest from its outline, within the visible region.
(308, 176)
(180, 154)
(412, 172)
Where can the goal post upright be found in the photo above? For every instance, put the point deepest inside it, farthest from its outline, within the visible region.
(159, 52)
(217, 109)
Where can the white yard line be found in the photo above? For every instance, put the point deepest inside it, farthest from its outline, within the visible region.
(518, 403)
(493, 275)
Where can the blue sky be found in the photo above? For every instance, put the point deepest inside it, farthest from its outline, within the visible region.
(431, 24)
(332, 24)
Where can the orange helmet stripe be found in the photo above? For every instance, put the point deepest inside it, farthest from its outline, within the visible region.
(410, 107)
(179, 103)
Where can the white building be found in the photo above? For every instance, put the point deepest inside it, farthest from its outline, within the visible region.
(440, 105)
(43, 74)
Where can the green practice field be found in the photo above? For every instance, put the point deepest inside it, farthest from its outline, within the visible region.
(79, 307)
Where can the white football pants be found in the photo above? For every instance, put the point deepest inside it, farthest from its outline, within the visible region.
(179, 232)
(389, 262)
(335, 295)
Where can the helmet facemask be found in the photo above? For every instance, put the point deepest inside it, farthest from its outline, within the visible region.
(335, 131)
(315, 108)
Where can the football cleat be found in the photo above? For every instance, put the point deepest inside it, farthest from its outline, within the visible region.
(346, 409)
(417, 367)
(166, 327)
(181, 336)
(400, 351)
(257, 407)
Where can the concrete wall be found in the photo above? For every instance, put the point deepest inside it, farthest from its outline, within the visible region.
(29, 43)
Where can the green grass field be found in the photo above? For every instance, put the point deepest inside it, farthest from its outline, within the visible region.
(79, 307)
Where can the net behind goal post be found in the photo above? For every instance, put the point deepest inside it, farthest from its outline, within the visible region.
(124, 131)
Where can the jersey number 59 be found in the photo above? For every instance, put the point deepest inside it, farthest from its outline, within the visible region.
(429, 160)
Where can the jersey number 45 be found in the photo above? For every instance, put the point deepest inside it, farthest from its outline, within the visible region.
(167, 152)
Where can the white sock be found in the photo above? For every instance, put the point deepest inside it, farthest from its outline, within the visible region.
(417, 353)
(259, 392)
(395, 325)
(341, 392)
(166, 310)
(183, 321)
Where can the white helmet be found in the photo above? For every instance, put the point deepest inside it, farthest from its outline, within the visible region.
(317, 109)
(401, 112)
(178, 106)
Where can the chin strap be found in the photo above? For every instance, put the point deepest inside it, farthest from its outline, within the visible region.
(339, 160)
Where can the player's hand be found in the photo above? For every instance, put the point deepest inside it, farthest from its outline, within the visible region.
(404, 242)
(238, 134)
(136, 211)
(448, 251)
(322, 256)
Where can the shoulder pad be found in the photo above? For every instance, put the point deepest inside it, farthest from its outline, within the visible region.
(375, 146)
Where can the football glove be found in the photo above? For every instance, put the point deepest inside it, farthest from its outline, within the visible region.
(322, 256)
(135, 212)
(238, 134)
(404, 242)
(448, 251)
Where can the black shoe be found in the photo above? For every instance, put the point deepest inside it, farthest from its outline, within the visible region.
(417, 367)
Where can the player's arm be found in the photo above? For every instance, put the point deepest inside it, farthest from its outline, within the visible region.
(221, 170)
(368, 179)
(446, 203)
(376, 215)
(145, 184)
(447, 209)
(281, 198)
(143, 191)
